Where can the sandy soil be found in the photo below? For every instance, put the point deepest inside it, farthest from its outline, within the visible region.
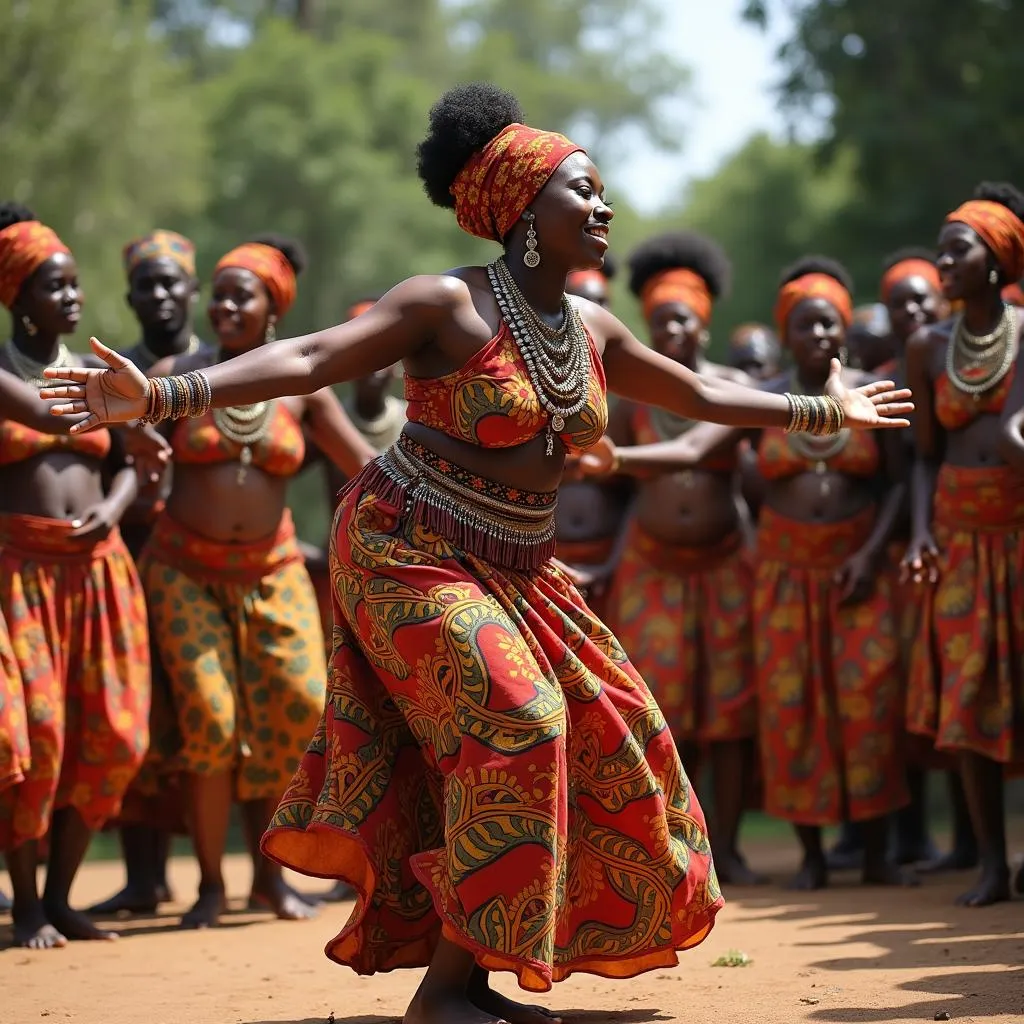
(845, 955)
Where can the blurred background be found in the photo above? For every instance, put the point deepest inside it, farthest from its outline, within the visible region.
(843, 126)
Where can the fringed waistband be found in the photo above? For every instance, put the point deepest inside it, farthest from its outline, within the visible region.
(507, 526)
(217, 561)
(39, 539)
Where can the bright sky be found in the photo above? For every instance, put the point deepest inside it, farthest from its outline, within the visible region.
(732, 65)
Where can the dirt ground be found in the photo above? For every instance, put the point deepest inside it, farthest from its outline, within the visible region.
(844, 955)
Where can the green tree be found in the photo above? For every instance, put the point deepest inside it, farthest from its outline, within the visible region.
(99, 133)
(926, 92)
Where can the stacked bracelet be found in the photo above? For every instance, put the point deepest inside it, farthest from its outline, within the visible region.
(814, 414)
(177, 397)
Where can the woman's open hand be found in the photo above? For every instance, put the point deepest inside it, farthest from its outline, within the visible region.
(114, 395)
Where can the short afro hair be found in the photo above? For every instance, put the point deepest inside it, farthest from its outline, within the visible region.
(913, 252)
(817, 265)
(1003, 193)
(462, 122)
(290, 248)
(680, 249)
(14, 213)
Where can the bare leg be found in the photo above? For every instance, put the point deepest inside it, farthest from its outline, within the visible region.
(983, 787)
(813, 873)
(443, 995)
(31, 928)
(878, 868)
(913, 844)
(848, 852)
(69, 839)
(208, 806)
(964, 854)
(269, 888)
(145, 852)
(731, 766)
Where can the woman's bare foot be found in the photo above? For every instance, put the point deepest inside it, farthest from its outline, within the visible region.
(483, 997)
(992, 887)
(207, 910)
(447, 1008)
(131, 900)
(732, 869)
(813, 874)
(276, 895)
(75, 925)
(33, 931)
(887, 873)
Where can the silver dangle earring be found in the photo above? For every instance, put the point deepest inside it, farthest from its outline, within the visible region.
(531, 258)
(993, 276)
(30, 328)
(270, 334)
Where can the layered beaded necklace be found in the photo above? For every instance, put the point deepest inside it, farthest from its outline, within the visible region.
(557, 358)
(31, 370)
(977, 363)
(246, 425)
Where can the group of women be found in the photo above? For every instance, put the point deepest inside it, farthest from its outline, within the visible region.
(490, 772)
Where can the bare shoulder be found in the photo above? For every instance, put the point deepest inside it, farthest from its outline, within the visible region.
(602, 324)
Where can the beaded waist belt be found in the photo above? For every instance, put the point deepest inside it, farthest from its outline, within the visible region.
(507, 526)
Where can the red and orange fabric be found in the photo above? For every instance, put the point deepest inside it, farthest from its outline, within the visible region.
(19, 442)
(489, 767)
(829, 677)
(999, 228)
(238, 632)
(678, 284)
(912, 267)
(1013, 294)
(491, 401)
(160, 244)
(270, 265)
(500, 181)
(967, 678)
(581, 278)
(685, 613)
(76, 629)
(24, 248)
(812, 286)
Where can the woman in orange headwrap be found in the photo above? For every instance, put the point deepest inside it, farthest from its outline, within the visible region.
(680, 599)
(232, 611)
(490, 773)
(968, 521)
(75, 618)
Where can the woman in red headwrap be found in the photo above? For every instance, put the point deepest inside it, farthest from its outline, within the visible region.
(680, 599)
(69, 594)
(490, 773)
(968, 521)
(232, 612)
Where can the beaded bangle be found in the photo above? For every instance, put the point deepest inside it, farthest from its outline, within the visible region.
(174, 398)
(814, 414)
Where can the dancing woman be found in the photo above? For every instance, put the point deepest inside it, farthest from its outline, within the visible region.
(71, 600)
(490, 772)
(968, 519)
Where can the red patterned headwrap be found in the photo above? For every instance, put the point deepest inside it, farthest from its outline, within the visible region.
(158, 245)
(24, 248)
(500, 181)
(270, 266)
(581, 278)
(678, 284)
(1013, 294)
(999, 228)
(359, 308)
(913, 267)
(812, 286)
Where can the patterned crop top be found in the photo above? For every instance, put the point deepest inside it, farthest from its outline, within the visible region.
(281, 452)
(490, 401)
(18, 443)
(955, 409)
(644, 423)
(776, 459)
